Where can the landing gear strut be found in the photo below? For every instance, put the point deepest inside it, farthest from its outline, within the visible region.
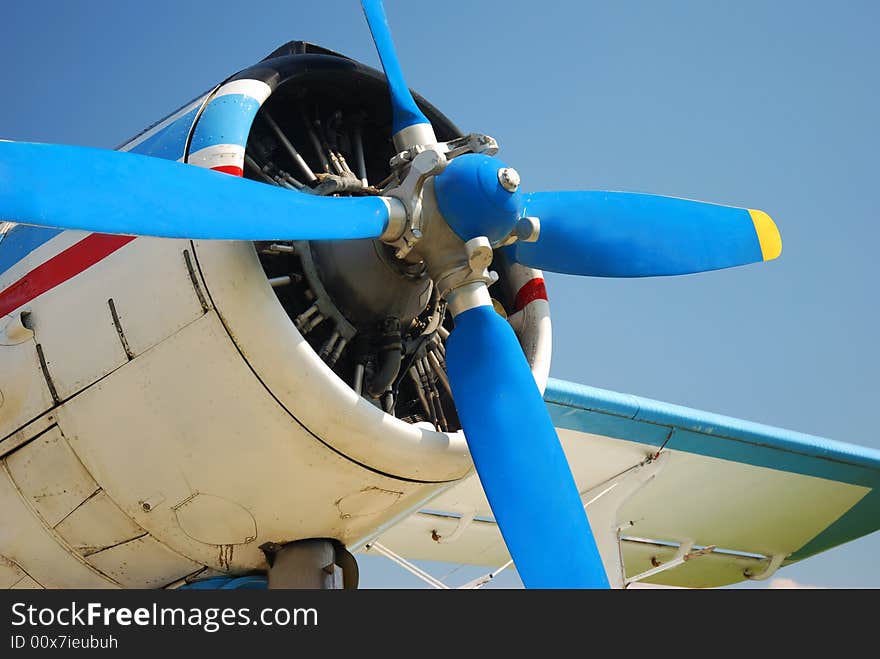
(316, 564)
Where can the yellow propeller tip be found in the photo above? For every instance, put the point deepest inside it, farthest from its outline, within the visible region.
(768, 234)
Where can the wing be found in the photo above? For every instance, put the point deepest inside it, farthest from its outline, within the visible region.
(675, 496)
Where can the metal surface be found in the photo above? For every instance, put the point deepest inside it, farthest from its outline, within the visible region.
(118, 324)
(368, 284)
(406, 565)
(528, 229)
(422, 133)
(508, 177)
(298, 159)
(305, 564)
(469, 296)
(323, 402)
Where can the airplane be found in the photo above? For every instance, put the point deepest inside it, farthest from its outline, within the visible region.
(291, 390)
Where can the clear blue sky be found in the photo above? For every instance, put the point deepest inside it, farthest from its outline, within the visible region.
(769, 105)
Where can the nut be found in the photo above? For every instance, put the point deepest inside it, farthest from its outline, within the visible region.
(508, 177)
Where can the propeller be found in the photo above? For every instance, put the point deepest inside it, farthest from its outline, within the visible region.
(448, 209)
(404, 111)
(516, 452)
(74, 187)
(627, 234)
(517, 455)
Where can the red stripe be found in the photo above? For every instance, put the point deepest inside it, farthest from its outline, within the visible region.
(61, 267)
(72, 261)
(229, 169)
(532, 290)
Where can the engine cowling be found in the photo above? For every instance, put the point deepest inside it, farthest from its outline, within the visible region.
(373, 322)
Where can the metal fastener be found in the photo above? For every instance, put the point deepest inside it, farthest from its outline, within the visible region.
(508, 177)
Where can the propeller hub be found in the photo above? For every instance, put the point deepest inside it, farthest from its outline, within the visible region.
(478, 196)
(457, 209)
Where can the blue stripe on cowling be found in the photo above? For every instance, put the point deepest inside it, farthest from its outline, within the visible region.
(169, 142)
(226, 120)
(588, 409)
(20, 241)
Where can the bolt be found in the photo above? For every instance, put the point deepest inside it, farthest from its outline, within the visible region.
(527, 229)
(479, 253)
(508, 177)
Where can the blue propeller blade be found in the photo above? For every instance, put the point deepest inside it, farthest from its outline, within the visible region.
(405, 112)
(72, 187)
(518, 457)
(627, 234)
